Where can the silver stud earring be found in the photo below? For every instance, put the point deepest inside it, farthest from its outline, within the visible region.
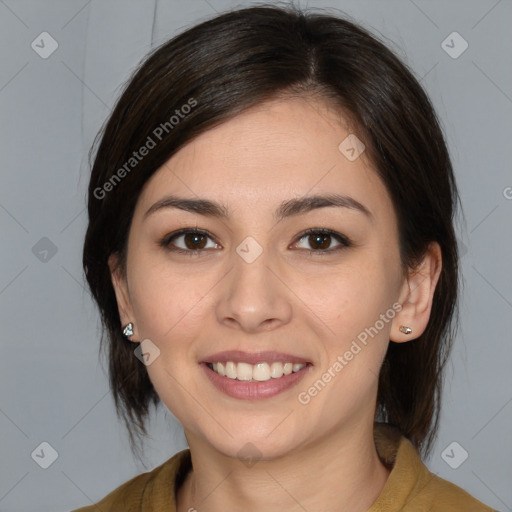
(128, 330)
(405, 329)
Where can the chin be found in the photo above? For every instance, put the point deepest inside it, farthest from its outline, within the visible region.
(250, 450)
(248, 441)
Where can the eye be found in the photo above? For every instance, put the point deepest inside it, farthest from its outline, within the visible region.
(188, 241)
(193, 241)
(320, 240)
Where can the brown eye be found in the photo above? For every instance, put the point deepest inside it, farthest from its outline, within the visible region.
(191, 241)
(320, 240)
(194, 241)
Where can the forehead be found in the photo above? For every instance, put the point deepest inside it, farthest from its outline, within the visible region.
(269, 153)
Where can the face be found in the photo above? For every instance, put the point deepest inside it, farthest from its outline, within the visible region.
(253, 290)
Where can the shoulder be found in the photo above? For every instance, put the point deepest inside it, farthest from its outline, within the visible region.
(411, 487)
(155, 487)
(127, 497)
(439, 495)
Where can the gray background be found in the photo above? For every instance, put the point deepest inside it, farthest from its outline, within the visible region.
(53, 387)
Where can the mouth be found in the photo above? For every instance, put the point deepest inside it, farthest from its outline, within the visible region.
(260, 372)
(254, 376)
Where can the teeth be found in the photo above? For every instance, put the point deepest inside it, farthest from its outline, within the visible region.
(260, 372)
(276, 370)
(243, 371)
(231, 370)
(220, 369)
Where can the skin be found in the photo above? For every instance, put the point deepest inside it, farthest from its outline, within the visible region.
(288, 300)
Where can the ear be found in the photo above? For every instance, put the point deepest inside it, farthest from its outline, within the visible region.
(120, 286)
(416, 296)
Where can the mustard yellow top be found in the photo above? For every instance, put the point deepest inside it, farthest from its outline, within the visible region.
(410, 487)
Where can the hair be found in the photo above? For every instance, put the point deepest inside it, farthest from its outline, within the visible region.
(240, 59)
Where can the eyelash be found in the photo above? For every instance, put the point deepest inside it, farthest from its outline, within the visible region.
(344, 241)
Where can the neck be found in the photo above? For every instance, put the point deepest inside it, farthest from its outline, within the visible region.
(342, 471)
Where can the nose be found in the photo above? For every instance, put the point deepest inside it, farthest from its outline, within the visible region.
(254, 296)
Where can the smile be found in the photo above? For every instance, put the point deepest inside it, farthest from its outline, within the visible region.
(260, 372)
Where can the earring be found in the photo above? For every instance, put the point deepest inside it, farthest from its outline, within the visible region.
(405, 329)
(128, 330)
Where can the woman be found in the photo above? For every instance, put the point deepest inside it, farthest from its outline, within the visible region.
(271, 247)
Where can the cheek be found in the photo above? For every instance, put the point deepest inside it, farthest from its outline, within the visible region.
(164, 299)
(353, 298)
(359, 312)
(169, 307)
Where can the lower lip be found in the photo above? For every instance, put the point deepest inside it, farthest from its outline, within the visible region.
(253, 390)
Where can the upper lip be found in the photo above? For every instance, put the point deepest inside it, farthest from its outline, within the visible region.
(238, 356)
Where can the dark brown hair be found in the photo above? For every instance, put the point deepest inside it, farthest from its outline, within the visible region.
(237, 60)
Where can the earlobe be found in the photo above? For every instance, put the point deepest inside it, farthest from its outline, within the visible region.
(121, 291)
(128, 331)
(416, 297)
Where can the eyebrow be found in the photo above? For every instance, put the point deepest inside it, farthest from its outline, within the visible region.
(287, 208)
